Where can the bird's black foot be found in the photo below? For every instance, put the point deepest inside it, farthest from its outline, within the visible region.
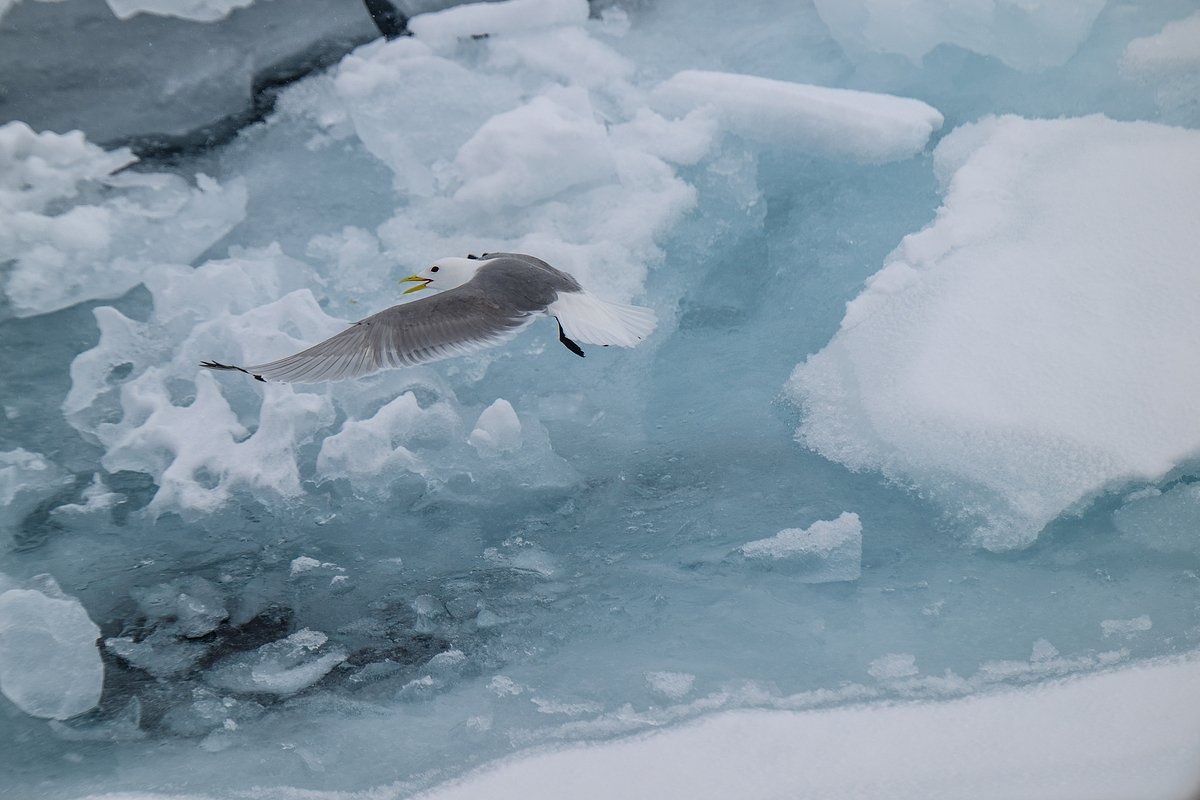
(570, 345)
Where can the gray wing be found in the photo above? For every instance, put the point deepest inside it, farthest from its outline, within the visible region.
(451, 323)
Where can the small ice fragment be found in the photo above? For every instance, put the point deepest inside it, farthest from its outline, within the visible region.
(1127, 628)
(191, 605)
(498, 429)
(674, 685)
(892, 666)
(505, 686)
(1043, 651)
(282, 667)
(162, 654)
(50, 666)
(304, 564)
(827, 550)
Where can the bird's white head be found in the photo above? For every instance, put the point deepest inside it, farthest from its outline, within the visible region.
(445, 273)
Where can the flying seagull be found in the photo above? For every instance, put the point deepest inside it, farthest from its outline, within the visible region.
(483, 301)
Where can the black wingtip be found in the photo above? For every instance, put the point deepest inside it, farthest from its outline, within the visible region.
(232, 367)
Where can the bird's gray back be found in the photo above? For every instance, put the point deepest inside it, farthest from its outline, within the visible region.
(521, 281)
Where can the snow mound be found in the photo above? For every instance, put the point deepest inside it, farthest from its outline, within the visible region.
(1032, 347)
(827, 550)
(841, 123)
(1131, 734)
(49, 664)
(78, 229)
(1026, 36)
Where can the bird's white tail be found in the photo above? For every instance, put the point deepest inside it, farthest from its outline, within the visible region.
(586, 318)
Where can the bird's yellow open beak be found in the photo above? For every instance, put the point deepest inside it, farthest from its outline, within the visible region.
(424, 283)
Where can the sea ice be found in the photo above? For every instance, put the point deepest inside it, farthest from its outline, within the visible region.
(1024, 35)
(1170, 62)
(198, 10)
(498, 429)
(443, 29)
(1126, 628)
(26, 479)
(840, 123)
(77, 229)
(827, 550)
(1001, 360)
(282, 667)
(1167, 521)
(49, 664)
(191, 606)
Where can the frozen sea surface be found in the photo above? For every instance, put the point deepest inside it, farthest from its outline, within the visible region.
(912, 445)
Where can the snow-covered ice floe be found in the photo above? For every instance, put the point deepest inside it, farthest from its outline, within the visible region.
(1126, 733)
(1034, 345)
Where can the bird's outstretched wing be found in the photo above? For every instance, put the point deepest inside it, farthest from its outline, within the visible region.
(451, 323)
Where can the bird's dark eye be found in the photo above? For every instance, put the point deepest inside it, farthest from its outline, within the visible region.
(434, 269)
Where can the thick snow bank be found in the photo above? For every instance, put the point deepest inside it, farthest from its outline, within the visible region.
(1123, 734)
(841, 123)
(1035, 344)
(1024, 35)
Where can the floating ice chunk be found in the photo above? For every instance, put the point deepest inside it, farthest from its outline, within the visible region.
(893, 666)
(77, 232)
(1001, 360)
(39, 168)
(504, 686)
(369, 452)
(498, 429)
(192, 605)
(96, 497)
(442, 103)
(1025, 35)
(162, 653)
(1126, 628)
(568, 54)
(281, 668)
(535, 152)
(443, 29)
(839, 123)
(196, 10)
(1167, 521)
(49, 664)
(827, 550)
(1043, 651)
(25, 480)
(680, 141)
(673, 685)
(1170, 61)
(1176, 48)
